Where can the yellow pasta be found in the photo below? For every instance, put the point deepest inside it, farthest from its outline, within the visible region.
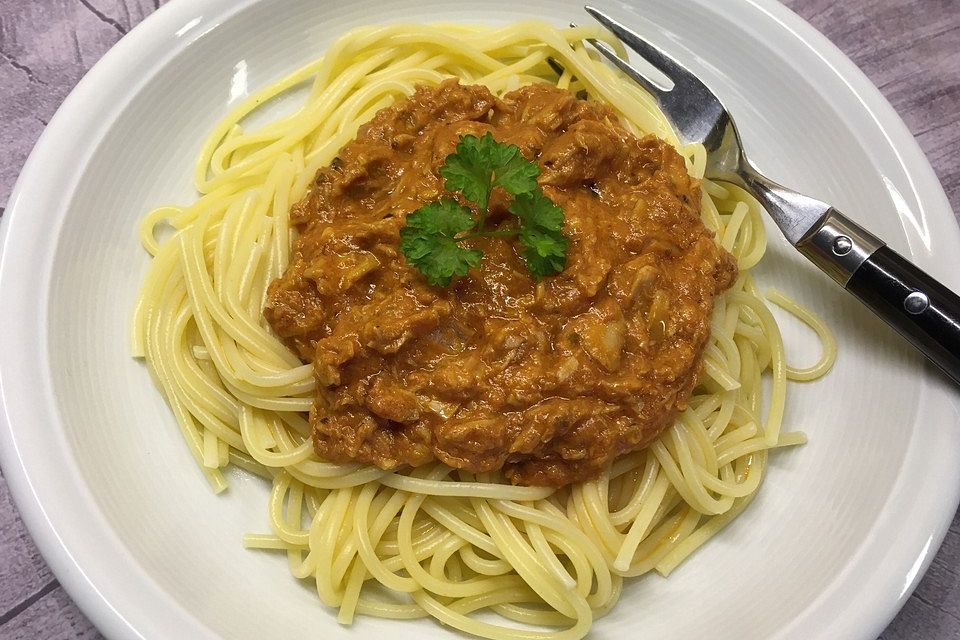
(452, 545)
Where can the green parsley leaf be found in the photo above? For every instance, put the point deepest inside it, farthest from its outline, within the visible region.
(517, 175)
(480, 164)
(541, 224)
(429, 241)
(544, 251)
(536, 209)
(434, 235)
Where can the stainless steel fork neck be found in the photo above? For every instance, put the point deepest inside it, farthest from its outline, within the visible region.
(793, 212)
(834, 243)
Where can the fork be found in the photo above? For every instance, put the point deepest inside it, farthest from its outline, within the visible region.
(916, 305)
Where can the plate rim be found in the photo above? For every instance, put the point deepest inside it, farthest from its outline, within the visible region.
(187, 21)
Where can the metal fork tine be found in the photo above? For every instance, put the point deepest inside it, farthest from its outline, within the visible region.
(607, 51)
(556, 66)
(653, 55)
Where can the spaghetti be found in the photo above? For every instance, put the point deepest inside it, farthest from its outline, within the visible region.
(442, 542)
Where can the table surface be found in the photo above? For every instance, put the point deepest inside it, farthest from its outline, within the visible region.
(911, 51)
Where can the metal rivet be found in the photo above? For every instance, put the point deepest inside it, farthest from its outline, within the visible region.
(842, 245)
(916, 303)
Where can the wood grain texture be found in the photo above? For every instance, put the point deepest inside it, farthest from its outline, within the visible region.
(911, 51)
(22, 570)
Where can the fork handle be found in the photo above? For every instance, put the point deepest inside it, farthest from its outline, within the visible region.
(919, 307)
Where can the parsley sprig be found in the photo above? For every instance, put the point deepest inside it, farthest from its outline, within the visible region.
(435, 235)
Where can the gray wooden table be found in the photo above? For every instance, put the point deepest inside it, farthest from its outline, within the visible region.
(910, 49)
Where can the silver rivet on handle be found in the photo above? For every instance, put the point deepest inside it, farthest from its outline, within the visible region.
(916, 303)
(842, 245)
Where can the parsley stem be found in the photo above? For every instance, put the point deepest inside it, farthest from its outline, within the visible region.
(482, 218)
(499, 233)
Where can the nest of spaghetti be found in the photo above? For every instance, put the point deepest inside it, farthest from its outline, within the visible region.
(514, 442)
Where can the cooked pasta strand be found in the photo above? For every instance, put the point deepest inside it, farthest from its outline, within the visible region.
(457, 545)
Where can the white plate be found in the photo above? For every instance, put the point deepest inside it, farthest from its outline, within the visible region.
(843, 527)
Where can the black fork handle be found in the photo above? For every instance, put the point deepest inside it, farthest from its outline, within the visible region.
(914, 303)
(919, 307)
